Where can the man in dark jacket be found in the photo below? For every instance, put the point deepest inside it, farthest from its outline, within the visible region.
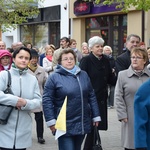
(123, 61)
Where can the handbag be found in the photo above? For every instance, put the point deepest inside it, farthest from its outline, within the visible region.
(5, 110)
(96, 140)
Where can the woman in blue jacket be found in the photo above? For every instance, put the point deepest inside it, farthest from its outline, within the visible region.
(68, 80)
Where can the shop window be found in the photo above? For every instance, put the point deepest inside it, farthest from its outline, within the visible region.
(124, 20)
(115, 21)
(54, 33)
(35, 33)
(41, 34)
(97, 22)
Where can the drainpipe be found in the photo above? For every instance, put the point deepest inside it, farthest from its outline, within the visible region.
(143, 26)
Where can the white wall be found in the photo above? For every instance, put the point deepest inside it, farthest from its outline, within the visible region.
(14, 36)
(64, 24)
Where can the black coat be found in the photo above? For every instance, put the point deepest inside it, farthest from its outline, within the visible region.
(123, 61)
(101, 75)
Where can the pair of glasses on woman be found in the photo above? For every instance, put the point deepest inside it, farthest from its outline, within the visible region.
(136, 58)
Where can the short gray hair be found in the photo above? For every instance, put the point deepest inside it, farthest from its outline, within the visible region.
(132, 35)
(95, 40)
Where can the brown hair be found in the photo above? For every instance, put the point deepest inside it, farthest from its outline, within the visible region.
(72, 40)
(66, 51)
(142, 51)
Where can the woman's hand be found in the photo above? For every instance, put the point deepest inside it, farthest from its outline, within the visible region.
(124, 120)
(52, 128)
(21, 103)
(95, 124)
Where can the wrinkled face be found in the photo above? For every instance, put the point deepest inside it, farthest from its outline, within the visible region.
(68, 61)
(34, 60)
(97, 49)
(22, 59)
(5, 60)
(133, 42)
(137, 61)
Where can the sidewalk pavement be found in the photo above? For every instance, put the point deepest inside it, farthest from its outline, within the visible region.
(110, 138)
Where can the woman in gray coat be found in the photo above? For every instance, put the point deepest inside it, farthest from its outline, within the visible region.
(17, 133)
(127, 84)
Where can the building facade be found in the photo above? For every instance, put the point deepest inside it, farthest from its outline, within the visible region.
(113, 25)
(48, 27)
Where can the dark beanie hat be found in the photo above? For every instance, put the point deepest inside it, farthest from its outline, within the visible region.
(34, 53)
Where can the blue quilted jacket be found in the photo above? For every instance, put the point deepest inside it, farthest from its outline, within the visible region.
(82, 105)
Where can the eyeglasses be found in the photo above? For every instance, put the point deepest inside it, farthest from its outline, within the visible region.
(136, 58)
(66, 59)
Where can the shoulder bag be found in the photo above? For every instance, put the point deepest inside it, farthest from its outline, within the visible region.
(96, 140)
(5, 110)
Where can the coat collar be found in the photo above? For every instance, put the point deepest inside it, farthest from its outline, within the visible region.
(130, 72)
(61, 70)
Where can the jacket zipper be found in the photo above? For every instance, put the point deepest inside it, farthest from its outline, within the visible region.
(81, 104)
(18, 113)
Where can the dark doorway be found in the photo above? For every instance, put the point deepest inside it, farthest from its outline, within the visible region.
(113, 29)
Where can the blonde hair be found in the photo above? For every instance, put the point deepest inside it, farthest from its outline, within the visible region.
(107, 47)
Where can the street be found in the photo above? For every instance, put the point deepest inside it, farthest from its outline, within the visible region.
(110, 138)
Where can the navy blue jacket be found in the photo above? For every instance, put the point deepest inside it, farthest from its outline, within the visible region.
(82, 105)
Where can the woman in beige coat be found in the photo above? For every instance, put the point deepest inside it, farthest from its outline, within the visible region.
(127, 84)
(41, 75)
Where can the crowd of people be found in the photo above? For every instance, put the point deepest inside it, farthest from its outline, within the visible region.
(87, 81)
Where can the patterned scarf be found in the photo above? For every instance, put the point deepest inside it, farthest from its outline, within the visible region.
(20, 71)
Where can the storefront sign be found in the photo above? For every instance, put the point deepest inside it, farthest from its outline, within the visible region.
(82, 8)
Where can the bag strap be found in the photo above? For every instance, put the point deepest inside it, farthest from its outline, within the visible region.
(9, 79)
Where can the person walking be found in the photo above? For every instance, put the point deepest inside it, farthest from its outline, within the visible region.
(41, 75)
(98, 69)
(17, 133)
(127, 84)
(70, 81)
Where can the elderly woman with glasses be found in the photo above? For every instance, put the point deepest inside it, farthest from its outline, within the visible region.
(68, 80)
(127, 84)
